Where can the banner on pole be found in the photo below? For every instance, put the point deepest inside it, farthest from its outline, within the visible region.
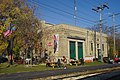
(56, 38)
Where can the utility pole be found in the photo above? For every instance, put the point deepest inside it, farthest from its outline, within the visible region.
(75, 9)
(99, 9)
(113, 20)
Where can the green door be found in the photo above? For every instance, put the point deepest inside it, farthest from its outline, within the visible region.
(80, 50)
(99, 54)
(72, 50)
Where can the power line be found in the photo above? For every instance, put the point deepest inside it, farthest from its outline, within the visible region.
(54, 11)
(64, 11)
(68, 6)
(113, 19)
(55, 18)
(97, 1)
(88, 1)
(83, 18)
(49, 9)
(62, 19)
(99, 9)
(57, 13)
(67, 12)
(82, 12)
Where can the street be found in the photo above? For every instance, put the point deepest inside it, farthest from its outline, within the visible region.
(54, 73)
(113, 75)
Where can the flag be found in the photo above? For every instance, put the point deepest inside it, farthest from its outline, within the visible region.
(7, 33)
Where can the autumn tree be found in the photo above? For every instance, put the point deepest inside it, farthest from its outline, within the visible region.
(18, 14)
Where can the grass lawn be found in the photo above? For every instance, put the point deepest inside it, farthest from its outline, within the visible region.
(94, 63)
(16, 68)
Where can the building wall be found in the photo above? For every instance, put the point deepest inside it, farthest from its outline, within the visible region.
(87, 37)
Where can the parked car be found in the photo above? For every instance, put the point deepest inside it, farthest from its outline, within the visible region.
(105, 59)
(110, 61)
(116, 60)
(3, 59)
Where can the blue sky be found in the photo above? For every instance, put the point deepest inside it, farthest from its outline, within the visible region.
(62, 11)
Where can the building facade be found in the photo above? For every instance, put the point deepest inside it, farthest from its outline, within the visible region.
(73, 42)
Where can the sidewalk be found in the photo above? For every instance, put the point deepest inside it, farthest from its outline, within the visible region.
(42, 74)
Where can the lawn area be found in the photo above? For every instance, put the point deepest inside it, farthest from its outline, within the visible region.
(94, 63)
(16, 68)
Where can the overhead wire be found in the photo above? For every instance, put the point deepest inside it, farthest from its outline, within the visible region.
(88, 1)
(55, 18)
(52, 10)
(49, 9)
(81, 12)
(66, 5)
(61, 19)
(64, 11)
(92, 3)
(97, 1)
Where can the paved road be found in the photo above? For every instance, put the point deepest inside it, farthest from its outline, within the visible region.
(42, 74)
(113, 75)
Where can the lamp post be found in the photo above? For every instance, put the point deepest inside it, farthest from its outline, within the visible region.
(99, 10)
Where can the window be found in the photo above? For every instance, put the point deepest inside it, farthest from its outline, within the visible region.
(103, 47)
(97, 45)
(97, 39)
(91, 46)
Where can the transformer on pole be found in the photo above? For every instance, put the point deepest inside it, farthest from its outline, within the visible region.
(99, 10)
